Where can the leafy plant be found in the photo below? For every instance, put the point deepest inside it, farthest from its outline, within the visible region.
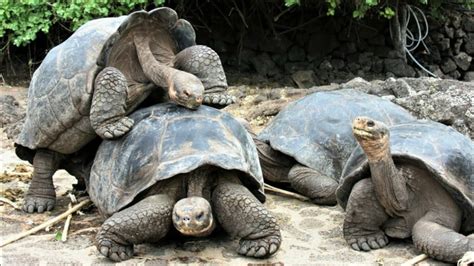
(22, 20)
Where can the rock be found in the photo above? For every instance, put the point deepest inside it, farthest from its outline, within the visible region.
(469, 76)
(457, 46)
(447, 101)
(280, 59)
(326, 65)
(448, 66)
(321, 44)
(377, 65)
(304, 78)
(366, 58)
(468, 23)
(296, 53)
(353, 67)
(378, 40)
(399, 87)
(398, 67)
(10, 111)
(264, 65)
(338, 63)
(459, 33)
(463, 61)
(444, 44)
(449, 32)
(469, 44)
(455, 74)
(12, 116)
(273, 45)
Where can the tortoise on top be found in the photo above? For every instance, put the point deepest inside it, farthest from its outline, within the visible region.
(182, 167)
(308, 142)
(414, 179)
(88, 84)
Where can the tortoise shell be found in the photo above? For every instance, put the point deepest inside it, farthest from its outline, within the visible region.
(165, 141)
(316, 130)
(60, 94)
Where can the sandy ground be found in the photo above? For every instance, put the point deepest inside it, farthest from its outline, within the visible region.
(311, 234)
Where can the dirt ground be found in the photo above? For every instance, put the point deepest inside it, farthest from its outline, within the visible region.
(311, 234)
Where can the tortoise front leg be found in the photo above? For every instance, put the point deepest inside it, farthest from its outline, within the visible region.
(364, 218)
(204, 63)
(109, 102)
(242, 215)
(41, 195)
(434, 235)
(147, 221)
(319, 188)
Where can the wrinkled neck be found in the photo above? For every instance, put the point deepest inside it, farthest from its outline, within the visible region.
(389, 183)
(199, 182)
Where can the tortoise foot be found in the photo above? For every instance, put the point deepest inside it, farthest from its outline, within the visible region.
(115, 129)
(219, 99)
(113, 250)
(368, 242)
(38, 204)
(261, 247)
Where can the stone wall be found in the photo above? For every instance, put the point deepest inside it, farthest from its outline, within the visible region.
(337, 49)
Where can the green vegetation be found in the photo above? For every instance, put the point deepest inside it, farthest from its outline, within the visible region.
(23, 19)
(385, 8)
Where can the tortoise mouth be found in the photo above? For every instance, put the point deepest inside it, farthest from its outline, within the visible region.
(190, 231)
(363, 133)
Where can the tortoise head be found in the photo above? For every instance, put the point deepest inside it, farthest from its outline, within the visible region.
(193, 216)
(205, 64)
(186, 89)
(373, 136)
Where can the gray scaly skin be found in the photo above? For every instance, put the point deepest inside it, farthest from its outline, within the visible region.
(204, 63)
(401, 200)
(237, 210)
(41, 193)
(277, 166)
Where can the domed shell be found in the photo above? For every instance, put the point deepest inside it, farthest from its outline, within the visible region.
(316, 130)
(443, 151)
(165, 141)
(60, 93)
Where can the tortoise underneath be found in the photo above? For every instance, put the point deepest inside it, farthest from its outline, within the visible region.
(181, 167)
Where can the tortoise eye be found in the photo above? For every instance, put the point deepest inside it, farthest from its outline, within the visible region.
(370, 123)
(199, 216)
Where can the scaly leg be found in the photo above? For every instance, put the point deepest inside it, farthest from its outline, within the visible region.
(108, 107)
(147, 221)
(319, 188)
(434, 235)
(242, 215)
(364, 218)
(41, 195)
(275, 165)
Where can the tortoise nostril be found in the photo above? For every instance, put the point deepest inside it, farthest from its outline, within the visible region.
(370, 123)
(186, 219)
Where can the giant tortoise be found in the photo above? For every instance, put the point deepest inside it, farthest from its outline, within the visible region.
(414, 179)
(308, 142)
(181, 167)
(88, 84)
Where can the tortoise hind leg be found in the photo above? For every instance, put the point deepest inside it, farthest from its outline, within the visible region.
(147, 221)
(434, 235)
(319, 188)
(364, 218)
(275, 165)
(41, 195)
(109, 102)
(242, 215)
